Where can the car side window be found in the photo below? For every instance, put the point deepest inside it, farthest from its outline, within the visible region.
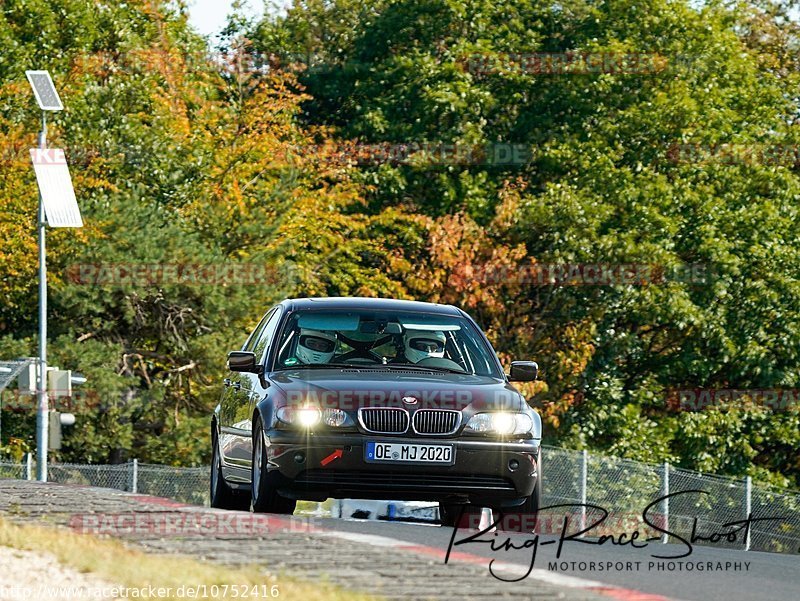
(255, 337)
(266, 335)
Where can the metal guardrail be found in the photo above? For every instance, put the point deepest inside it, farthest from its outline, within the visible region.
(622, 487)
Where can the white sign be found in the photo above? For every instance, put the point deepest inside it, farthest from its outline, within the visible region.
(55, 186)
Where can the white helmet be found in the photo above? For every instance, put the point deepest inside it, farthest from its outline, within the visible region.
(421, 344)
(315, 346)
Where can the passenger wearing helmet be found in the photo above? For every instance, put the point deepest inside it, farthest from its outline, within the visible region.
(423, 344)
(315, 346)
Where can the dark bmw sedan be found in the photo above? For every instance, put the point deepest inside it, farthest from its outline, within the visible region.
(373, 398)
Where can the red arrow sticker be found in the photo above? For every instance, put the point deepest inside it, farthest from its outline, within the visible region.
(333, 456)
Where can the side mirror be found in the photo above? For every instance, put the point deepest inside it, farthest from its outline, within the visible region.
(243, 361)
(524, 371)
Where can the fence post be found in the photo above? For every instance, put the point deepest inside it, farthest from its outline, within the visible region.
(28, 466)
(584, 477)
(748, 491)
(134, 475)
(665, 507)
(541, 473)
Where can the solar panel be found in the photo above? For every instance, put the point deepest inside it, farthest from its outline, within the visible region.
(44, 90)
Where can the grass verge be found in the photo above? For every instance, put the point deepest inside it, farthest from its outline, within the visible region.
(122, 566)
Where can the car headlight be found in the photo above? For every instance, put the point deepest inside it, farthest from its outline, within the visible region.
(503, 423)
(334, 417)
(308, 417)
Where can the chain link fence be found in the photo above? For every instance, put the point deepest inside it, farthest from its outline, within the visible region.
(616, 490)
(184, 484)
(15, 471)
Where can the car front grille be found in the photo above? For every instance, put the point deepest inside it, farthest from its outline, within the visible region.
(384, 420)
(436, 421)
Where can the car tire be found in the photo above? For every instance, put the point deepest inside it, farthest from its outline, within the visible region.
(265, 497)
(525, 515)
(223, 496)
(452, 513)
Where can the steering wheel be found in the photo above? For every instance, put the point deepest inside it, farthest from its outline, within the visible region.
(359, 357)
(362, 349)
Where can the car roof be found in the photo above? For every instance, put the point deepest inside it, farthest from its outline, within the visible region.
(357, 302)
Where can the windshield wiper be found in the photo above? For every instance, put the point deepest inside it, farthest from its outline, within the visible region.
(316, 366)
(446, 370)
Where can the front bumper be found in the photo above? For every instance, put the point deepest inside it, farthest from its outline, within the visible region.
(317, 467)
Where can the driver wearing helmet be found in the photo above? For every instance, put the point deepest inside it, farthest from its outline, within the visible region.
(315, 346)
(423, 344)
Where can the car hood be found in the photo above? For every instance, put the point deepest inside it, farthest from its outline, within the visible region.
(352, 389)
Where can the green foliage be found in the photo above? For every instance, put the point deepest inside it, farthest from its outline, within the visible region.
(604, 186)
(179, 168)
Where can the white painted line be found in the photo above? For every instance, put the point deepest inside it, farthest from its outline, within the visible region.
(367, 539)
(546, 576)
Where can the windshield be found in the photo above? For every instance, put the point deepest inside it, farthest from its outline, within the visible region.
(385, 339)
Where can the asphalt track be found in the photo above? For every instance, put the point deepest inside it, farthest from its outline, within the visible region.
(761, 576)
(404, 561)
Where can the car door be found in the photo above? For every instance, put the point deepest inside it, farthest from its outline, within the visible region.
(255, 385)
(234, 414)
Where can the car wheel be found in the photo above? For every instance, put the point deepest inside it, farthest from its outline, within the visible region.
(452, 513)
(223, 496)
(265, 497)
(521, 518)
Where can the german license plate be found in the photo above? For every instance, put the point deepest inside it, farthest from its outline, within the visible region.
(400, 452)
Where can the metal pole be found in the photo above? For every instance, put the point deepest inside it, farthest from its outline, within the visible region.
(42, 421)
(748, 488)
(665, 509)
(584, 477)
(135, 476)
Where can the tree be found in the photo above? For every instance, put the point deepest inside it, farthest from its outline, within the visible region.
(194, 191)
(629, 167)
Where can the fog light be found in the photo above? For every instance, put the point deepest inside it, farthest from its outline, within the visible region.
(300, 457)
(513, 465)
